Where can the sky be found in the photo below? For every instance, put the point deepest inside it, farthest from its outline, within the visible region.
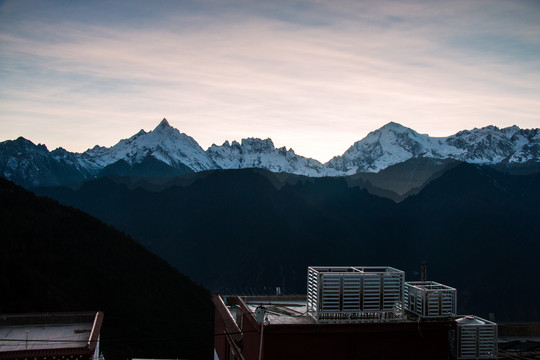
(312, 75)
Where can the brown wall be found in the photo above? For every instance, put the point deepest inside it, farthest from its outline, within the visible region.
(366, 341)
(404, 340)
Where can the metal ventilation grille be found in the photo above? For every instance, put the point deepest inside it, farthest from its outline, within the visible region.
(429, 299)
(477, 338)
(355, 293)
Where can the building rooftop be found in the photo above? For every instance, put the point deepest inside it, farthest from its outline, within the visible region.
(281, 310)
(285, 329)
(284, 309)
(352, 312)
(16, 338)
(39, 333)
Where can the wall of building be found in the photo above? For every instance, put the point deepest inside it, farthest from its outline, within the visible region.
(419, 340)
(359, 341)
(244, 339)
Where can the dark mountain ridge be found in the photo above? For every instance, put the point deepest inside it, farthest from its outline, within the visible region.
(55, 258)
(396, 182)
(475, 227)
(480, 227)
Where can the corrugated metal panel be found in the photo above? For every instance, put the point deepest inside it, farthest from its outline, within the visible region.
(430, 299)
(477, 338)
(355, 293)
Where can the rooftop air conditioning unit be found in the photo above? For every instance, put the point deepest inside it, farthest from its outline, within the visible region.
(475, 338)
(352, 294)
(429, 299)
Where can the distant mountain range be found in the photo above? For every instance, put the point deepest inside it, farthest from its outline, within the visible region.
(249, 215)
(165, 152)
(476, 228)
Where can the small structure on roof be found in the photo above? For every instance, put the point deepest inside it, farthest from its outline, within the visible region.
(352, 312)
(430, 299)
(278, 327)
(50, 336)
(354, 293)
(475, 338)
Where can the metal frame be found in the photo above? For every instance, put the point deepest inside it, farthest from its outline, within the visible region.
(476, 338)
(355, 293)
(429, 299)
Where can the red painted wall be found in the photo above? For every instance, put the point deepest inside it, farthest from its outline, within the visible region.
(361, 341)
(404, 340)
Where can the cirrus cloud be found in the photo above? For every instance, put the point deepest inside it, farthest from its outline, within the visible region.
(313, 75)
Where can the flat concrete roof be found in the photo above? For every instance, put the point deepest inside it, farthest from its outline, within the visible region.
(292, 310)
(38, 337)
(281, 311)
(36, 332)
(287, 309)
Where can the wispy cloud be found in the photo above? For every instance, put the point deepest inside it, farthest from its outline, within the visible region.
(317, 80)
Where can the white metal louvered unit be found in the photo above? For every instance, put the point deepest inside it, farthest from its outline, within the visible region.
(429, 299)
(476, 338)
(312, 290)
(345, 294)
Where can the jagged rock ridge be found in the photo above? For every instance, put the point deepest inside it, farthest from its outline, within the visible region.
(33, 165)
(257, 153)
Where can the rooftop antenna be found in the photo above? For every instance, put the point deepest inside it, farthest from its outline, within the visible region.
(423, 272)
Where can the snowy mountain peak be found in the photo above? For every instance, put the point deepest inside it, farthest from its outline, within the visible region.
(165, 129)
(391, 134)
(163, 124)
(164, 143)
(140, 133)
(491, 145)
(394, 130)
(258, 145)
(23, 144)
(259, 153)
(395, 127)
(393, 143)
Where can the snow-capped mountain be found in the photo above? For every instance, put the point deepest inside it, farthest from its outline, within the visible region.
(394, 143)
(491, 145)
(389, 145)
(30, 165)
(164, 143)
(165, 151)
(257, 153)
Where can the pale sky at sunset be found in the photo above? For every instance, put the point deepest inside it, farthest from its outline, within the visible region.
(312, 75)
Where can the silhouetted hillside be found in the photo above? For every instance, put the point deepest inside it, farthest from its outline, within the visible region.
(149, 165)
(55, 258)
(476, 228)
(234, 228)
(480, 230)
(401, 180)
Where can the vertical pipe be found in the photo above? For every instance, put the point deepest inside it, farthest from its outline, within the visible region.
(262, 336)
